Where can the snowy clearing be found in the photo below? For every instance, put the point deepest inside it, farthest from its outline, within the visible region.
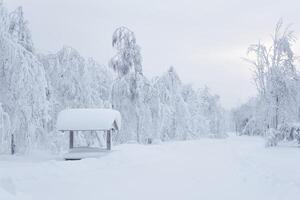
(232, 168)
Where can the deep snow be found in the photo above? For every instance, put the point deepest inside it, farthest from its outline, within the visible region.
(88, 119)
(233, 168)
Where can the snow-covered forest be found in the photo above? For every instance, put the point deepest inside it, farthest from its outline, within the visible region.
(35, 87)
(275, 112)
(130, 99)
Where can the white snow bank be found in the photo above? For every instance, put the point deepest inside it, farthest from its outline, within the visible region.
(237, 168)
(78, 153)
(88, 119)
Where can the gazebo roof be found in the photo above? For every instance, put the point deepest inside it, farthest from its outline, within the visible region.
(88, 119)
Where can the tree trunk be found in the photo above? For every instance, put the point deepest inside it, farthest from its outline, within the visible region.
(299, 114)
(137, 127)
(276, 112)
(12, 145)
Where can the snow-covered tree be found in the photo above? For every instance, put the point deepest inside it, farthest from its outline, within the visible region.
(73, 82)
(275, 75)
(276, 106)
(213, 112)
(128, 55)
(23, 83)
(199, 122)
(128, 93)
(175, 116)
(35, 87)
(18, 28)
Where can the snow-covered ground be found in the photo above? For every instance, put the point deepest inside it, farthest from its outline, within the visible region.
(234, 168)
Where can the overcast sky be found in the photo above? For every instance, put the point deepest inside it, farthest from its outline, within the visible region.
(203, 40)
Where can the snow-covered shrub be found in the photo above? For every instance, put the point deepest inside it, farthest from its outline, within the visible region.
(286, 132)
(273, 136)
(58, 142)
(251, 128)
(290, 131)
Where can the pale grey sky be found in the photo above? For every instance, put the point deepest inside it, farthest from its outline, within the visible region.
(203, 40)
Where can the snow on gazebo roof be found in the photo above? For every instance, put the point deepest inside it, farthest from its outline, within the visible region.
(88, 119)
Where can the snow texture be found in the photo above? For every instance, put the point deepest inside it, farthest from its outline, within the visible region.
(231, 169)
(88, 119)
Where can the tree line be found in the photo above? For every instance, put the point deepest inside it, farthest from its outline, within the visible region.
(275, 111)
(35, 87)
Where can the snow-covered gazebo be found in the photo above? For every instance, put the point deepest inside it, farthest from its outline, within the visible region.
(71, 120)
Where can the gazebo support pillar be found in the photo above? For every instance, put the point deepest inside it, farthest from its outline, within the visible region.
(108, 139)
(71, 143)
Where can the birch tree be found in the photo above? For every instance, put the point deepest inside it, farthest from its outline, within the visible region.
(275, 74)
(128, 64)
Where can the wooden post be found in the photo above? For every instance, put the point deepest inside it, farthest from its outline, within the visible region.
(71, 139)
(108, 139)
